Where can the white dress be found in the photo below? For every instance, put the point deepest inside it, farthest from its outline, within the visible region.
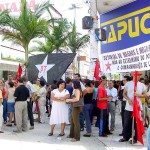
(59, 112)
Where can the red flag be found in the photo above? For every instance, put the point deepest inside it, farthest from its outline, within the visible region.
(19, 72)
(97, 70)
(137, 113)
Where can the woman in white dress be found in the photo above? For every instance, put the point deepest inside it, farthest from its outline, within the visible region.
(59, 113)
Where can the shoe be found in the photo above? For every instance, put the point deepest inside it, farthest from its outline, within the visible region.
(109, 133)
(104, 135)
(24, 130)
(50, 134)
(5, 122)
(121, 134)
(1, 132)
(111, 130)
(123, 140)
(61, 134)
(134, 141)
(87, 135)
(16, 131)
(9, 125)
(81, 129)
(74, 140)
(31, 128)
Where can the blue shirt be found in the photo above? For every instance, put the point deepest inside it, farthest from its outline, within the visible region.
(70, 89)
(95, 93)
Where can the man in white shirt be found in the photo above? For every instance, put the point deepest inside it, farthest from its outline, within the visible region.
(112, 94)
(129, 96)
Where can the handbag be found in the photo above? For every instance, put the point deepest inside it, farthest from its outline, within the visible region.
(79, 103)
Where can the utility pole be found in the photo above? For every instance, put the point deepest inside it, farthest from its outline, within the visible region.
(77, 58)
(93, 43)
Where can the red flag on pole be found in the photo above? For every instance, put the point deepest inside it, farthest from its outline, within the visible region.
(137, 112)
(19, 72)
(97, 70)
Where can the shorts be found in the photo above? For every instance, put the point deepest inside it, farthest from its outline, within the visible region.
(10, 107)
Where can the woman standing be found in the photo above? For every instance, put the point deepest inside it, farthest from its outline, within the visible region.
(59, 112)
(75, 123)
(88, 106)
(10, 103)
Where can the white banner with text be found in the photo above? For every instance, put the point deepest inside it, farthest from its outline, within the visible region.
(130, 59)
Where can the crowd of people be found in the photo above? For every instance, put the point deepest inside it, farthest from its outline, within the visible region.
(73, 102)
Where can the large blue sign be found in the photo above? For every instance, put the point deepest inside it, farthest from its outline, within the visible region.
(126, 26)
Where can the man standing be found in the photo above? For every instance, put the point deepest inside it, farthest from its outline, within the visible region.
(1, 112)
(112, 95)
(70, 89)
(123, 100)
(32, 90)
(21, 95)
(102, 105)
(10, 79)
(129, 94)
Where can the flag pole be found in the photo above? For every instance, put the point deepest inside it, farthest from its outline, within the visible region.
(132, 129)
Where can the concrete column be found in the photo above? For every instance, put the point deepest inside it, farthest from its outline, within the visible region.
(93, 43)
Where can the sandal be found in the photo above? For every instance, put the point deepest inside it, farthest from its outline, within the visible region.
(87, 135)
(61, 134)
(123, 140)
(50, 134)
(134, 141)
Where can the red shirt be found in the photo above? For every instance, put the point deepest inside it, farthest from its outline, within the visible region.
(102, 104)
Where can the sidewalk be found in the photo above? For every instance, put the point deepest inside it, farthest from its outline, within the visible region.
(38, 139)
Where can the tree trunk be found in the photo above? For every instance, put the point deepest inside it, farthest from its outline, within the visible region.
(26, 60)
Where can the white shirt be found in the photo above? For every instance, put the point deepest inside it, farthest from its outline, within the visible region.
(82, 88)
(112, 92)
(30, 87)
(129, 86)
(42, 94)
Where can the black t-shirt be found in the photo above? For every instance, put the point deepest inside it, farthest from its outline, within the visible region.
(21, 93)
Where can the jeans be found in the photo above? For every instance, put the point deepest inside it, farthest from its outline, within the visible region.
(102, 121)
(81, 119)
(87, 110)
(5, 110)
(69, 112)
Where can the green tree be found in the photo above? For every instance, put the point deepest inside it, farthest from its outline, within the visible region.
(56, 38)
(46, 47)
(76, 41)
(20, 30)
(59, 33)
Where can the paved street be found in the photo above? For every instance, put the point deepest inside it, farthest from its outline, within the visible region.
(37, 139)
